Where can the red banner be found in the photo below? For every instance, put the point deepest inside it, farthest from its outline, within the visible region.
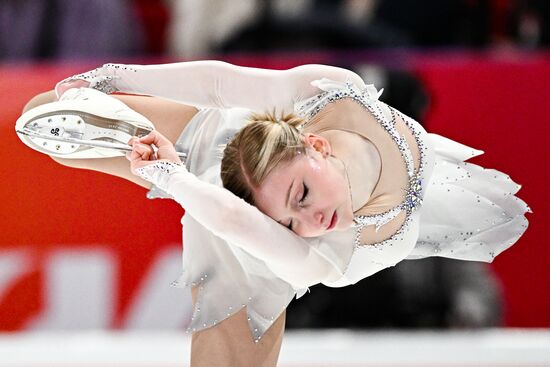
(80, 249)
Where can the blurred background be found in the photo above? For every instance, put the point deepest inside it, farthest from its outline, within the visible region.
(83, 251)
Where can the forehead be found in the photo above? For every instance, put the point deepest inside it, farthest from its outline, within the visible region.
(271, 196)
(284, 173)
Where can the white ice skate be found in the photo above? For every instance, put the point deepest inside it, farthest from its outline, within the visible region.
(84, 123)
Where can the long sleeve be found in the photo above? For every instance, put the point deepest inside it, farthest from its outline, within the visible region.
(294, 259)
(217, 84)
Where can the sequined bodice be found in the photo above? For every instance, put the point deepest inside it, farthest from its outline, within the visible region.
(386, 118)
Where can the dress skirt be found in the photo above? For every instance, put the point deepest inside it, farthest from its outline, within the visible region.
(227, 277)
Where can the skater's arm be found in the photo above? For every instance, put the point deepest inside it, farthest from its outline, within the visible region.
(292, 258)
(217, 84)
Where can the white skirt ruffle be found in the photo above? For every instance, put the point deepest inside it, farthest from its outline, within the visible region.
(469, 212)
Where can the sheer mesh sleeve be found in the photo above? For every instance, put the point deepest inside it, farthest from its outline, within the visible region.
(294, 259)
(217, 84)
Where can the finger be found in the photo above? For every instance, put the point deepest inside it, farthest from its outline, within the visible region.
(139, 151)
(61, 88)
(134, 155)
(146, 151)
(132, 140)
(156, 138)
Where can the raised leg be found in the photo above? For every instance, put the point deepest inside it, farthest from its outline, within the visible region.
(230, 342)
(170, 118)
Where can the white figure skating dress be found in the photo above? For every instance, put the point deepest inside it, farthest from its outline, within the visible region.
(238, 257)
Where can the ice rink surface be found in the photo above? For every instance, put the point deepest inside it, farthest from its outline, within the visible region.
(340, 348)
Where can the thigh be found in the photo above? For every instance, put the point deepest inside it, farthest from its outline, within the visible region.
(230, 343)
(168, 117)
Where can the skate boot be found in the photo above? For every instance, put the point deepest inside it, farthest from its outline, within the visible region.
(84, 123)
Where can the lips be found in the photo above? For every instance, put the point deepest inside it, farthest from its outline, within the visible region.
(332, 221)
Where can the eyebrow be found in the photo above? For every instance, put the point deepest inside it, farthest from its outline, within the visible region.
(287, 198)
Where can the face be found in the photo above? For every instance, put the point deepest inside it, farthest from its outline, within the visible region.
(310, 194)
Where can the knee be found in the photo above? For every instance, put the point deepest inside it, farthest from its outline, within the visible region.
(40, 99)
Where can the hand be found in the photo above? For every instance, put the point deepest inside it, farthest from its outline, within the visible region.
(63, 87)
(143, 153)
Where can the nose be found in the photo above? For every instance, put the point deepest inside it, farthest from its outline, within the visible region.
(318, 218)
(314, 218)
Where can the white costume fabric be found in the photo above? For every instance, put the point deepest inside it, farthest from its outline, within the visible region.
(239, 257)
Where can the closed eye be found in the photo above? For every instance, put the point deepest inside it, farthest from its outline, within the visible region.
(300, 202)
(306, 191)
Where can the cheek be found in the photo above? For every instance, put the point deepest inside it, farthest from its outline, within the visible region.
(321, 180)
(339, 189)
(331, 184)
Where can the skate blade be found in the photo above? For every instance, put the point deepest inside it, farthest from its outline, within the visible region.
(75, 142)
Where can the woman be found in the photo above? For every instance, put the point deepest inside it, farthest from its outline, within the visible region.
(346, 175)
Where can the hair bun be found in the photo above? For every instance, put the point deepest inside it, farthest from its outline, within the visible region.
(272, 117)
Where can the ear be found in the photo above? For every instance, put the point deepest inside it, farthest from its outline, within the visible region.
(318, 143)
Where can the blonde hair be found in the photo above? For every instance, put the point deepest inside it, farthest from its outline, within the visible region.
(257, 149)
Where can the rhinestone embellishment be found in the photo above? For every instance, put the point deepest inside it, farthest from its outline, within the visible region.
(102, 78)
(413, 198)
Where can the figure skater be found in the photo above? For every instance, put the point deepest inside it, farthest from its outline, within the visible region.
(336, 189)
